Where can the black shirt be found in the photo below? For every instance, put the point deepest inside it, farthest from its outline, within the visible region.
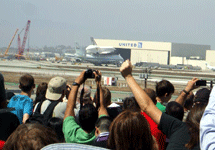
(176, 131)
(113, 112)
(8, 123)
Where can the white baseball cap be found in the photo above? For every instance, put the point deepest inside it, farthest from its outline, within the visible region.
(55, 88)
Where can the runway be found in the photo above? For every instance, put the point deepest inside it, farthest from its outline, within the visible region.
(44, 67)
(177, 77)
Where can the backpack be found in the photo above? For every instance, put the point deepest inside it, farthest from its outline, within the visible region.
(42, 118)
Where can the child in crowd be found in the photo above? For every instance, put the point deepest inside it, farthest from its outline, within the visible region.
(22, 102)
(164, 91)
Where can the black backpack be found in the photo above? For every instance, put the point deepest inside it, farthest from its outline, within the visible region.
(42, 118)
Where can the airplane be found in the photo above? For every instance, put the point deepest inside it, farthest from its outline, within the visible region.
(99, 58)
(210, 67)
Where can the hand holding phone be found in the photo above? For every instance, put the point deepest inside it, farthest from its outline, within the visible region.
(201, 83)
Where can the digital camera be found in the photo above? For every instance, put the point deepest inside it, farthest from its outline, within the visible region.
(89, 74)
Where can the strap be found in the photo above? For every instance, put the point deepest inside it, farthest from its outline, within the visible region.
(38, 108)
(49, 110)
(81, 97)
(98, 98)
(4, 110)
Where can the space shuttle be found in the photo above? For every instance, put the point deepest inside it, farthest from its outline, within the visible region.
(98, 55)
(95, 49)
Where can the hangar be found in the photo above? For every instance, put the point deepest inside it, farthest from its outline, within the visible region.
(156, 52)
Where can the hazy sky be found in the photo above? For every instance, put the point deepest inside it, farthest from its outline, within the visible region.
(64, 22)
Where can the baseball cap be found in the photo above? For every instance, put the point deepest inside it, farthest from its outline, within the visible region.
(55, 88)
(202, 95)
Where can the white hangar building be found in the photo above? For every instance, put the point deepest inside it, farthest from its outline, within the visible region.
(157, 52)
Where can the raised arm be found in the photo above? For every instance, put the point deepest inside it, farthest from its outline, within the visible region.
(207, 125)
(25, 117)
(143, 100)
(183, 95)
(73, 95)
(102, 110)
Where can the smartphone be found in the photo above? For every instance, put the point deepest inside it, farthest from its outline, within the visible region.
(201, 83)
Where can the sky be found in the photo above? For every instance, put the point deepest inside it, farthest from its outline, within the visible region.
(64, 22)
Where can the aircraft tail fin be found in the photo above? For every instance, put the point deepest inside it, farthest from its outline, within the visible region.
(93, 41)
(80, 52)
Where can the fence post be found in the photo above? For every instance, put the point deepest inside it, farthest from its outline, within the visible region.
(211, 85)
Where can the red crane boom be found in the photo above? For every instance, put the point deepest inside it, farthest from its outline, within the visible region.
(24, 38)
(19, 41)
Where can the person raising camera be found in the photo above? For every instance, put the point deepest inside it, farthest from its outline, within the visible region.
(88, 114)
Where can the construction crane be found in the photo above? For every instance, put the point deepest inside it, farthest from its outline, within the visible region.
(21, 50)
(19, 40)
(6, 52)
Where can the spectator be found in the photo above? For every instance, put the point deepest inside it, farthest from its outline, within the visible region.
(107, 97)
(174, 109)
(8, 121)
(130, 130)
(193, 122)
(159, 136)
(2, 95)
(207, 126)
(176, 130)
(164, 91)
(129, 103)
(30, 137)
(41, 92)
(113, 109)
(86, 98)
(55, 92)
(9, 95)
(152, 94)
(102, 131)
(2, 144)
(188, 105)
(57, 124)
(22, 102)
(88, 115)
(202, 96)
(68, 89)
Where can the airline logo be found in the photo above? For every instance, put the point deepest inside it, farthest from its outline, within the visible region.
(138, 45)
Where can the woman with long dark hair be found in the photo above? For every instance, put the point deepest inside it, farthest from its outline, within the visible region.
(193, 122)
(130, 130)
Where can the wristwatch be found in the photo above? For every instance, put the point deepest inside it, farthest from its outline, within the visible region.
(75, 84)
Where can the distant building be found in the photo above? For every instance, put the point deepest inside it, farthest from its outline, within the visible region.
(156, 52)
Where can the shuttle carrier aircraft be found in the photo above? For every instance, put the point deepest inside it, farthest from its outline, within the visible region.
(98, 55)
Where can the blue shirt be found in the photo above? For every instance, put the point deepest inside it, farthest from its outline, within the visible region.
(207, 125)
(23, 105)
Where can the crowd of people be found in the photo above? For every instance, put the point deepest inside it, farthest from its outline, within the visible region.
(66, 116)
